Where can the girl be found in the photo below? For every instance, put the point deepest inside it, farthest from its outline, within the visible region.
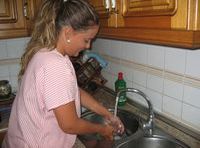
(46, 110)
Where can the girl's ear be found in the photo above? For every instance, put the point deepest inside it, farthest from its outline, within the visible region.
(69, 32)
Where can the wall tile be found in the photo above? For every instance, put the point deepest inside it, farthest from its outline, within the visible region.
(191, 115)
(140, 77)
(173, 89)
(155, 83)
(139, 53)
(192, 95)
(14, 69)
(115, 49)
(95, 47)
(14, 83)
(15, 47)
(192, 63)
(3, 50)
(5, 78)
(129, 84)
(26, 40)
(103, 46)
(114, 68)
(156, 99)
(128, 51)
(137, 97)
(175, 60)
(172, 107)
(156, 56)
(4, 71)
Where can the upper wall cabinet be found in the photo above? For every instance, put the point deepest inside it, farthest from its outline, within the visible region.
(16, 17)
(149, 13)
(164, 22)
(102, 7)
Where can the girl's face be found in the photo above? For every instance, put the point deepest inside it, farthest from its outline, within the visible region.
(73, 42)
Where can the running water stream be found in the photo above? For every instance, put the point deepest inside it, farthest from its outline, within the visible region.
(116, 103)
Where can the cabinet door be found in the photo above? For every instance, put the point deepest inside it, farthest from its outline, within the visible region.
(149, 13)
(33, 7)
(102, 7)
(12, 20)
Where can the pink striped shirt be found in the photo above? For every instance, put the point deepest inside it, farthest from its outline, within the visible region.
(49, 82)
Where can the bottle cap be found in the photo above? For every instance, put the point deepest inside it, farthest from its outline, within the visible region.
(120, 75)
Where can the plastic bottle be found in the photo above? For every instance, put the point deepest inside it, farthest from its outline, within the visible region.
(120, 84)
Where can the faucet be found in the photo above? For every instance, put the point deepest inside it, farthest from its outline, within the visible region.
(148, 126)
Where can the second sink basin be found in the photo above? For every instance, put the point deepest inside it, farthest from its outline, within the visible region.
(155, 141)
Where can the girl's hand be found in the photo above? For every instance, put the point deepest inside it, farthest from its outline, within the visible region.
(116, 123)
(107, 133)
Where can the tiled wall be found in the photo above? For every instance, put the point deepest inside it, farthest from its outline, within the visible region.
(10, 54)
(169, 76)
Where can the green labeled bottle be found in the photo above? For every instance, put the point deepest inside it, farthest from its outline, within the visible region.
(120, 84)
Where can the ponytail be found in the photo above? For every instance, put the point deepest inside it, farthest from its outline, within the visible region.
(53, 15)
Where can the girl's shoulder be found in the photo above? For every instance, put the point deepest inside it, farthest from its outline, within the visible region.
(47, 60)
(51, 57)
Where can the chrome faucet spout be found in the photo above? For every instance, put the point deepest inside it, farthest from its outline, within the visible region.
(148, 126)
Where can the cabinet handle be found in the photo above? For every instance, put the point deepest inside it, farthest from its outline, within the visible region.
(26, 10)
(107, 3)
(114, 7)
(113, 2)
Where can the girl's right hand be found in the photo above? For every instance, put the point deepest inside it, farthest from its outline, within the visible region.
(107, 133)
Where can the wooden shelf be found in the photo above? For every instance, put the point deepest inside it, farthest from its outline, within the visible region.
(174, 38)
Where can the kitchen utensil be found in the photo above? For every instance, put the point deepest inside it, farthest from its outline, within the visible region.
(5, 89)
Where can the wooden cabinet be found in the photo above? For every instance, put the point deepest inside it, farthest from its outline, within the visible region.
(164, 22)
(12, 20)
(33, 7)
(103, 10)
(16, 17)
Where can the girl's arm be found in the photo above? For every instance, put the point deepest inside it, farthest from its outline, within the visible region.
(90, 103)
(70, 123)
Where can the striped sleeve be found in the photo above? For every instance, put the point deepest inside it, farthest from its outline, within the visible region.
(59, 84)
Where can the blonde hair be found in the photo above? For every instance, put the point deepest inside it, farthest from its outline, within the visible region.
(53, 15)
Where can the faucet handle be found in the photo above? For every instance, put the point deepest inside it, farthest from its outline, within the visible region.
(147, 126)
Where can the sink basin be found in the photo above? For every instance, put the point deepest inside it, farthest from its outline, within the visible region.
(133, 137)
(155, 141)
(130, 121)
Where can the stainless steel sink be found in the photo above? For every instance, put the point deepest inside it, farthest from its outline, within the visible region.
(133, 137)
(154, 141)
(130, 121)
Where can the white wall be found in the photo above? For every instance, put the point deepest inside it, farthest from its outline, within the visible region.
(169, 76)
